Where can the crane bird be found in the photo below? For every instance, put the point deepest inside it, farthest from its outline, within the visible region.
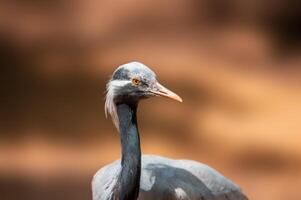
(150, 177)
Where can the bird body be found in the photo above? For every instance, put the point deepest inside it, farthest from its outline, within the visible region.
(167, 179)
(150, 177)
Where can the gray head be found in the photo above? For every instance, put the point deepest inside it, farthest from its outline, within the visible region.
(130, 83)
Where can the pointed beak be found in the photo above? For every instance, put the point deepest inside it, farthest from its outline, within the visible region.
(164, 92)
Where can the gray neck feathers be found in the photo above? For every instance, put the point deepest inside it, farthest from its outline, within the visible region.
(129, 179)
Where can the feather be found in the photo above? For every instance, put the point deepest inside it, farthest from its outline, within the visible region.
(110, 107)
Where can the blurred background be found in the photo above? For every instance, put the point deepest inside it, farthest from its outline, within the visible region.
(236, 64)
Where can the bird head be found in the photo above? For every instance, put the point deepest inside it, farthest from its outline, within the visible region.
(132, 82)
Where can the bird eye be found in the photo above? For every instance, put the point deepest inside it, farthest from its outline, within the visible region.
(135, 81)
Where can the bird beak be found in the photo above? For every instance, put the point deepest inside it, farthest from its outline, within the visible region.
(164, 92)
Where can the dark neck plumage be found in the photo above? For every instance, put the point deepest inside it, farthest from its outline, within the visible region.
(129, 178)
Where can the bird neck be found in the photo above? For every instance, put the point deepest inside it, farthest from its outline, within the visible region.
(129, 179)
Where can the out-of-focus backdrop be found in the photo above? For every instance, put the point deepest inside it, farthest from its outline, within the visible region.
(236, 64)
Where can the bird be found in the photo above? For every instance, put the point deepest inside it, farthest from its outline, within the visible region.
(150, 177)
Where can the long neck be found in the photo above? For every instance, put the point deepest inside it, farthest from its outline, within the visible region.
(129, 179)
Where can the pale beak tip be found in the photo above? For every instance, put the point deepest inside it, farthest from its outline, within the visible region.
(179, 99)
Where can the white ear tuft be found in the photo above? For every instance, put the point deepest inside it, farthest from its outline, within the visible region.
(110, 106)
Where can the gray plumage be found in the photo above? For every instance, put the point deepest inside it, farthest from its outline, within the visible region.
(150, 177)
(167, 179)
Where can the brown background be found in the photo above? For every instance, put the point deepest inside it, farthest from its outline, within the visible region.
(235, 63)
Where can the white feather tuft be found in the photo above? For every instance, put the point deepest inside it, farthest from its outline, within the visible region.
(110, 106)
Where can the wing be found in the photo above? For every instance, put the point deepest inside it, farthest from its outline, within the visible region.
(164, 179)
(104, 181)
(167, 179)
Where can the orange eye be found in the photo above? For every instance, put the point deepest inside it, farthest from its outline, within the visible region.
(135, 81)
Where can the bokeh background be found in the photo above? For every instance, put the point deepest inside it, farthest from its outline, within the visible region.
(236, 64)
